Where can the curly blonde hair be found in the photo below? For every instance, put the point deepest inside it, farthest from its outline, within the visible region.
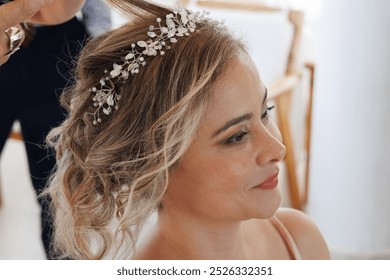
(112, 176)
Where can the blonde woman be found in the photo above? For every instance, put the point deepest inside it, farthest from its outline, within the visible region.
(169, 115)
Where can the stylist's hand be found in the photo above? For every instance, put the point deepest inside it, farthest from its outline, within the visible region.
(13, 13)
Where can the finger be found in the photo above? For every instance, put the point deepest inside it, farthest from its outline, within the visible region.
(4, 43)
(16, 12)
(3, 59)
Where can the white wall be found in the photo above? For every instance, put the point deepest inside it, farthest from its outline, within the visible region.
(350, 170)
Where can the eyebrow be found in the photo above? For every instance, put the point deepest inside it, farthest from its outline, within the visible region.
(238, 119)
(233, 122)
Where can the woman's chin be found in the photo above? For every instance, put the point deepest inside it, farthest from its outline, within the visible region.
(268, 208)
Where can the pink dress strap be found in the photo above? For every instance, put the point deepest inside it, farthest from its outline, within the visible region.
(287, 238)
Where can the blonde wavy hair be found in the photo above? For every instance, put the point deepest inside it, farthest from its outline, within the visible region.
(112, 176)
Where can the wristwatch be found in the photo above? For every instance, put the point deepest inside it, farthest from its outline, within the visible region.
(15, 35)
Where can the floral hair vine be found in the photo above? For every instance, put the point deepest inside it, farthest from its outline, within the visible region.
(178, 24)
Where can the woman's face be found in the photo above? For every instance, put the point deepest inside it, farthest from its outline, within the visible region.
(229, 172)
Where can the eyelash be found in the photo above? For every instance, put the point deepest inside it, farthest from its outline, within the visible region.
(265, 115)
(240, 137)
(233, 140)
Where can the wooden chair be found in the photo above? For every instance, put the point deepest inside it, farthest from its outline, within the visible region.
(281, 91)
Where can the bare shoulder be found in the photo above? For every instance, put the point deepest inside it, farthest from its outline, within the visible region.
(305, 233)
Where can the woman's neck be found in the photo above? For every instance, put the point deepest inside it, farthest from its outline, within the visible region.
(181, 237)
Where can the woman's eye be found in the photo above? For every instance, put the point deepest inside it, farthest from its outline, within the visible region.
(237, 138)
(265, 115)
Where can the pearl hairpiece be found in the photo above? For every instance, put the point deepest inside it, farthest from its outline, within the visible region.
(181, 23)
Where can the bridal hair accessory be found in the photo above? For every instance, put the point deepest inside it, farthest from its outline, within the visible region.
(180, 23)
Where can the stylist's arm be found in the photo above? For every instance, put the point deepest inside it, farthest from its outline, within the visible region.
(34, 11)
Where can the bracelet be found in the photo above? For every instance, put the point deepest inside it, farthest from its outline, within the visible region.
(16, 36)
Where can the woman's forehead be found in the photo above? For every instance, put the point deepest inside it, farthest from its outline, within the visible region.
(238, 91)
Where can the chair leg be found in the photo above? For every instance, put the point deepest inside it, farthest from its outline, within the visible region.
(283, 105)
(311, 68)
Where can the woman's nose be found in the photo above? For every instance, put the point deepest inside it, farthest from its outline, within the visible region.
(271, 148)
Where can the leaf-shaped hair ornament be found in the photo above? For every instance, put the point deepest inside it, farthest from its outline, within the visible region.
(180, 23)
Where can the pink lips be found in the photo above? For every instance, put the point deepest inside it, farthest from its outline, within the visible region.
(269, 184)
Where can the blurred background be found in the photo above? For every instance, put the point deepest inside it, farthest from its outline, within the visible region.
(326, 66)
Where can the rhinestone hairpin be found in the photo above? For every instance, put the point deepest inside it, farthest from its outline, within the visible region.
(180, 23)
